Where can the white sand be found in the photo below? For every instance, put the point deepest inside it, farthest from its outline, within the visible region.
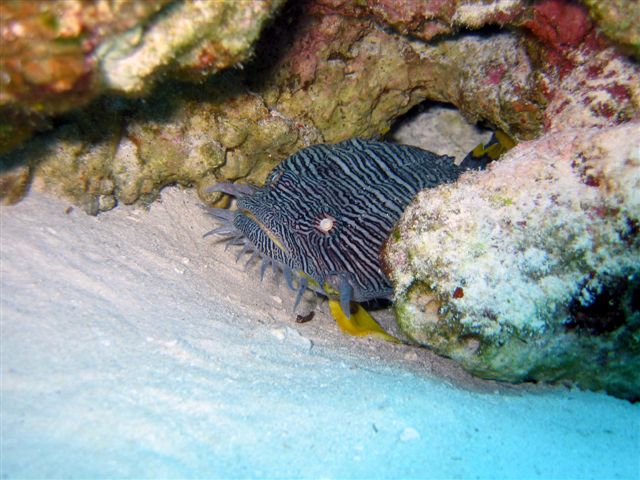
(131, 347)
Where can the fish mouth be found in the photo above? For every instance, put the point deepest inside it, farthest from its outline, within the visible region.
(268, 232)
(236, 237)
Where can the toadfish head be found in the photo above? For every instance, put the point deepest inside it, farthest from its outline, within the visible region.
(290, 232)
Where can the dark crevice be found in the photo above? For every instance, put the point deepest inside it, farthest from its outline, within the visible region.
(609, 310)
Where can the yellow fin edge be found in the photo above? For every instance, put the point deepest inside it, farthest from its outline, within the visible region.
(360, 323)
(500, 143)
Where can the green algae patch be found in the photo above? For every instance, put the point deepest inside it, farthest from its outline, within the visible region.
(618, 20)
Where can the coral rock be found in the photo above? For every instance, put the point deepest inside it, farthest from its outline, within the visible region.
(351, 77)
(618, 20)
(59, 55)
(126, 152)
(327, 70)
(530, 271)
(197, 38)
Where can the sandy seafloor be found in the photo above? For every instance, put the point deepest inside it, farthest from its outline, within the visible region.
(133, 347)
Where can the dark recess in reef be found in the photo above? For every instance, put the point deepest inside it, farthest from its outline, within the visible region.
(608, 311)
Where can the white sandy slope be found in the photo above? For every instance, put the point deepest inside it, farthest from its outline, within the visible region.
(131, 347)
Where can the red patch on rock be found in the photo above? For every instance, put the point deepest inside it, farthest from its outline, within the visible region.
(619, 92)
(205, 58)
(559, 23)
(319, 34)
(603, 110)
(495, 74)
(595, 71)
(561, 26)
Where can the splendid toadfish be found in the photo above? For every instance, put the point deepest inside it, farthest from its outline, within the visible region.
(324, 214)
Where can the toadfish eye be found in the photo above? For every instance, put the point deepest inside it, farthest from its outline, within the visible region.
(326, 224)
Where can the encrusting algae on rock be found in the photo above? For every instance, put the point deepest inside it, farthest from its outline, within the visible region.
(531, 270)
(58, 55)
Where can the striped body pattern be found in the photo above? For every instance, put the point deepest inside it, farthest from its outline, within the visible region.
(325, 212)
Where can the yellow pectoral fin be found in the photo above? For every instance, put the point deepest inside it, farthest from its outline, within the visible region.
(499, 143)
(494, 151)
(360, 323)
(479, 150)
(505, 140)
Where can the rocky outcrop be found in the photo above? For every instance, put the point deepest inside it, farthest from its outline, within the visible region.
(56, 56)
(530, 271)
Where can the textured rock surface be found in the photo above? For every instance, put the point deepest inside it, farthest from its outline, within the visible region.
(45, 57)
(619, 20)
(129, 151)
(530, 271)
(195, 38)
(585, 81)
(426, 19)
(359, 78)
(55, 56)
(603, 89)
(353, 77)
